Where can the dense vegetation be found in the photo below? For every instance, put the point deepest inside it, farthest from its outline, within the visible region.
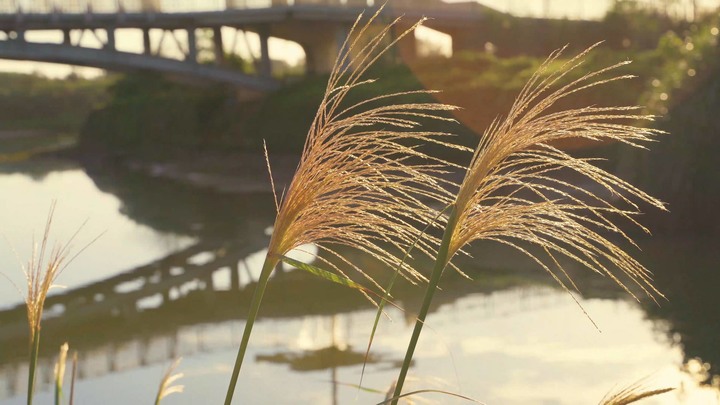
(146, 110)
(30, 102)
(145, 115)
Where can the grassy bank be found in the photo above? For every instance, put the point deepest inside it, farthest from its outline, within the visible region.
(148, 117)
(33, 102)
(147, 114)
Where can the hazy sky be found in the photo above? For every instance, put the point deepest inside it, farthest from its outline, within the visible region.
(131, 40)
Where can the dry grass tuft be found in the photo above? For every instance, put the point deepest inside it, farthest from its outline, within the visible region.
(60, 372)
(361, 182)
(166, 388)
(358, 183)
(41, 272)
(514, 189)
(632, 393)
(60, 364)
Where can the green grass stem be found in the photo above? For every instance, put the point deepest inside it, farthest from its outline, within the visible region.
(267, 269)
(34, 349)
(58, 392)
(387, 401)
(386, 296)
(440, 263)
(73, 378)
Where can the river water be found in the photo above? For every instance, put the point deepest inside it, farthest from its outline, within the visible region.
(168, 279)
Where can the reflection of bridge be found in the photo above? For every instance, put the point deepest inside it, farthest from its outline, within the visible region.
(319, 26)
(119, 310)
(142, 345)
(181, 304)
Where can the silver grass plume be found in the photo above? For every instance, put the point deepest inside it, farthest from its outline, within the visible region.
(512, 191)
(360, 182)
(632, 393)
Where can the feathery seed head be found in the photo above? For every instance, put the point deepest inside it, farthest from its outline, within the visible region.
(514, 189)
(632, 393)
(359, 183)
(41, 275)
(166, 383)
(60, 365)
(41, 272)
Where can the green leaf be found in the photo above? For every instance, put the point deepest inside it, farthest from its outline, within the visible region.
(327, 275)
(452, 394)
(365, 389)
(386, 296)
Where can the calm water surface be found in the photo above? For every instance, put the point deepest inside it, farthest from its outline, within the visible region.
(168, 278)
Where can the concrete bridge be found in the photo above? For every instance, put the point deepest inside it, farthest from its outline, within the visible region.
(318, 26)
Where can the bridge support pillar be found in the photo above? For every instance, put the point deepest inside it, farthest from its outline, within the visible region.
(235, 277)
(406, 48)
(472, 39)
(110, 44)
(218, 46)
(265, 68)
(147, 46)
(19, 35)
(321, 49)
(192, 46)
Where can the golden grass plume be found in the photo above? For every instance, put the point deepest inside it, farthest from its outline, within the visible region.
(43, 269)
(41, 272)
(360, 181)
(514, 189)
(60, 372)
(166, 388)
(632, 393)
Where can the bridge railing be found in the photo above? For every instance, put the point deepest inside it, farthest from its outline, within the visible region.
(112, 6)
(57, 6)
(158, 6)
(147, 6)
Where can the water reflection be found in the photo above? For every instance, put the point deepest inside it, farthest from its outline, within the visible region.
(23, 208)
(509, 336)
(330, 357)
(686, 270)
(170, 207)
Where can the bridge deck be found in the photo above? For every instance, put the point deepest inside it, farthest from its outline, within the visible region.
(127, 61)
(297, 22)
(448, 15)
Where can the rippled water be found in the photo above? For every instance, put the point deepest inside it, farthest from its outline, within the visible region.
(509, 337)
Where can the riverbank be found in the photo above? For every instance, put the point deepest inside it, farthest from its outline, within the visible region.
(224, 172)
(207, 137)
(37, 103)
(22, 144)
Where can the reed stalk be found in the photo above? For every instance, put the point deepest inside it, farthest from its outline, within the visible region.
(257, 297)
(440, 264)
(633, 393)
(41, 274)
(512, 193)
(73, 377)
(355, 185)
(34, 349)
(166, 388)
